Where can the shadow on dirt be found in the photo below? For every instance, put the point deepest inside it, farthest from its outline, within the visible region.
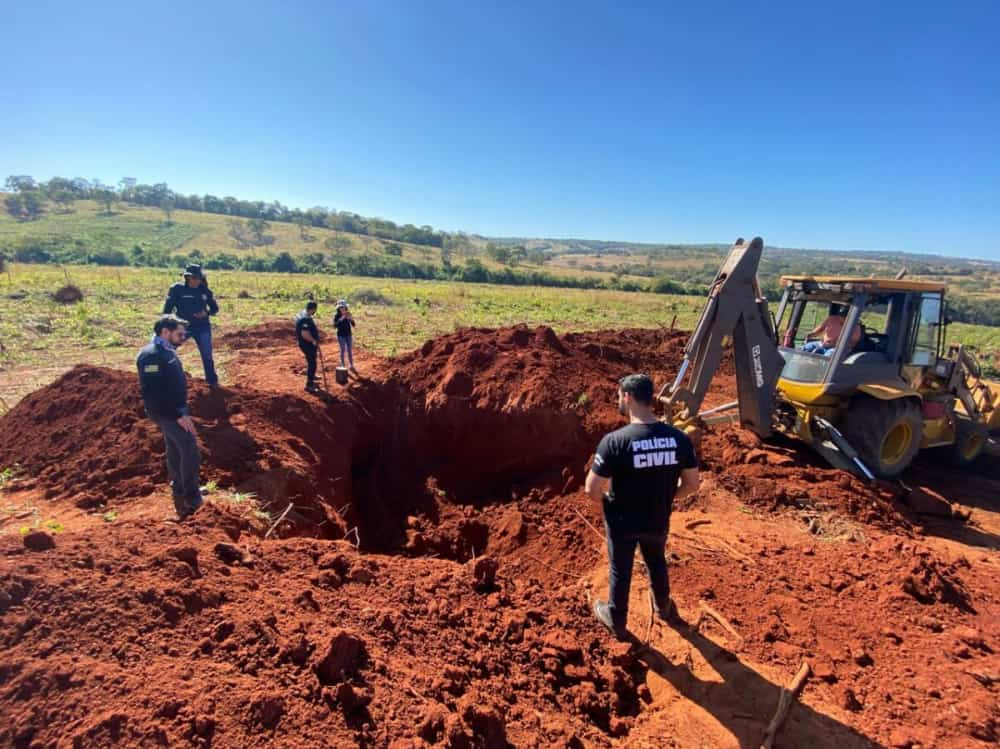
(745, 693)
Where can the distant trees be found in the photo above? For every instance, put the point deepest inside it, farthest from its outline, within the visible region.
(20, 183)
(499, 252)
(392, 248)
(126, 186)
(104, 196)
(258, 227)
(250, 234)
(283, 263)
(239, 233)
(302, 221)
(537, 256)
(518, 254)
(507, 254)
(338, 244)
(25, 206)
(167, 205)
(133, 192)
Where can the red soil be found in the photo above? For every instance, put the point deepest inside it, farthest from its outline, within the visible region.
(463, 619)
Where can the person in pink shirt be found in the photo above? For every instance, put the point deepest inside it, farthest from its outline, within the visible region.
(830, 330)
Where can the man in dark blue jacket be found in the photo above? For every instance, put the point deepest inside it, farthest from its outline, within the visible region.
(164, 393)
(192, 300)
(307, 335)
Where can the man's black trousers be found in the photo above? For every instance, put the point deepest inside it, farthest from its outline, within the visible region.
(621, 557)
(310, 351)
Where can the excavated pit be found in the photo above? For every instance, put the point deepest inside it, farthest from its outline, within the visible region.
(421, 459)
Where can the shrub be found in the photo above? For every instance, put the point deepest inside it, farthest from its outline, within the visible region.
(109, 257)
(371, 296)
(68, 294)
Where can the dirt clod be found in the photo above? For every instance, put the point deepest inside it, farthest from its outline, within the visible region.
(342, 657)
(39, 541)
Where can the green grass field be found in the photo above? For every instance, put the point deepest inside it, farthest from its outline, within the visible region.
(41, 338)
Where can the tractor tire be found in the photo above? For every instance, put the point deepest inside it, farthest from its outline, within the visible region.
(970, 439)
(886, 434)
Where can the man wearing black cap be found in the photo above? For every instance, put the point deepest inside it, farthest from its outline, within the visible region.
(164, 394)
(648, 464)
(192, 300)
(307, 335)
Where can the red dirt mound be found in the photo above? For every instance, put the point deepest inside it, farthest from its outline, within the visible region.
(86, 437)
(309, 639)
(785, 473)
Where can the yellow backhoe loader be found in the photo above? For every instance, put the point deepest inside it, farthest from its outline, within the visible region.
(857, 367)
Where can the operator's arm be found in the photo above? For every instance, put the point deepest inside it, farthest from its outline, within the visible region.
(819, 328)
(307, 336)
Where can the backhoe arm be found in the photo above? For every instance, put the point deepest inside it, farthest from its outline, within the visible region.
(737, 311)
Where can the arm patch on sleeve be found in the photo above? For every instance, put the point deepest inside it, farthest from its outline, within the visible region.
(151, 368)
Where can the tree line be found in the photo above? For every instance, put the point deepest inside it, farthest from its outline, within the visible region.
(388, 265)
(27, 200)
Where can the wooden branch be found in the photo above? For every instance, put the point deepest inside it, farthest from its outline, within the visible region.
(707, 610)
(788, 696)
(278, 521)
(692, 524)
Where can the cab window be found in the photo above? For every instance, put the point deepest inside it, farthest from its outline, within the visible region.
(926, 329)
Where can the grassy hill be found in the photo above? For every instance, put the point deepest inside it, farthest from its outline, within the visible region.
(88, 227)
(139, 235)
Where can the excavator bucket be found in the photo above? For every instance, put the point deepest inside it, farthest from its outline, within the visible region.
(736, 311)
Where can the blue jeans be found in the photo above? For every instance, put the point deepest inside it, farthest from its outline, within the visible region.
(346, 345)
(621, 558)
(817, 347)
(202, 336)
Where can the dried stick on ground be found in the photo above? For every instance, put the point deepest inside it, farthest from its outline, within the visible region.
(692, 524)
(278, 521)
(707, 610)
(788, 696)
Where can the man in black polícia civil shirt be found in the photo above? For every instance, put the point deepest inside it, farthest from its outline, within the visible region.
(192, 300)
(648, 464)
(307, 336)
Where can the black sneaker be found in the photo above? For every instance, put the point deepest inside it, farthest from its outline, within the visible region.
(312, 387)
(603, 613)
(670, 615)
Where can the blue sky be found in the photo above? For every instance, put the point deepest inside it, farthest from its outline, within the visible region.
(871, 125)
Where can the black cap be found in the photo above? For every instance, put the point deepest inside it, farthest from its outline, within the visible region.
(194, 271)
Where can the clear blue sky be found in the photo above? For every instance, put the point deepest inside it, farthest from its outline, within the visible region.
(868, 125)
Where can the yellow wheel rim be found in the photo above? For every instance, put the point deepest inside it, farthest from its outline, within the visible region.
(973, 444)
(896, 443)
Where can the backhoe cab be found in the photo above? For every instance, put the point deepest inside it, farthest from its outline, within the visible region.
(883, 377)
(856, 367)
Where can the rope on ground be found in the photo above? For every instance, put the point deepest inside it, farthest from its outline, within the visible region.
(589, 524)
